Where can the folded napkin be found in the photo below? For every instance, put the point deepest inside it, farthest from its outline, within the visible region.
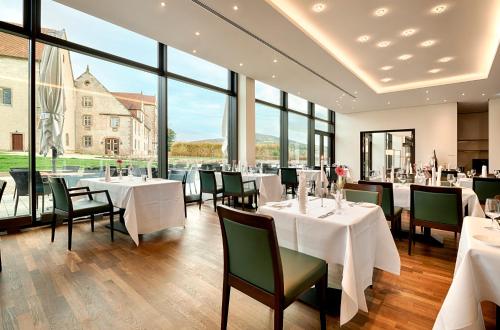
(484, 171)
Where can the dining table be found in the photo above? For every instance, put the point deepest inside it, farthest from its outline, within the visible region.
(150, 205)
(475, 279)
(269, 185)
(353, 241)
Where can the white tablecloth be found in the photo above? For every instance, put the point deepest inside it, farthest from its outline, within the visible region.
(269, 185)
(476, 279)
(359, 239)
(469, 198)
(465, 182)
(149, 206)
(311, 175)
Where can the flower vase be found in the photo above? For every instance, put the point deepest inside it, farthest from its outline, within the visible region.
(120, 174)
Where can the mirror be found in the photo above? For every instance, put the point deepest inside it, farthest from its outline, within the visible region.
(386, 149)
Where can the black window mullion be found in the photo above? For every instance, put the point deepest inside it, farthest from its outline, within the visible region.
(284, 129)
(232, 133)
(162, 138)
(310, 135)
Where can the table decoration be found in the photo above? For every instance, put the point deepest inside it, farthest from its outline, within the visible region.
(302, 193)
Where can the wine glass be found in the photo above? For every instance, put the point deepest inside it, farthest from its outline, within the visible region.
(497, 173)
(451, 179)
(492, 210)
(402, 177)
(473, 172)
(469, 174)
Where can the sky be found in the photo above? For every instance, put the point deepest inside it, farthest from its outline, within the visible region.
(194, 113)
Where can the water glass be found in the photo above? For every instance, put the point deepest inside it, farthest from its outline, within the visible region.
(473, 172)
(451, 179)
(492, 210)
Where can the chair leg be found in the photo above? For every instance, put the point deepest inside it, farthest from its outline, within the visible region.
(112, 226)
(226, 292)
(321, 287)
(92, 219)
(215, 202)
(15, 206)
(410, 237)
(43, 204)
(54, 219)
(70, 232)
(278, 318)
(199, 202)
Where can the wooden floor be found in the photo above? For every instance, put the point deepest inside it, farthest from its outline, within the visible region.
(173, 281)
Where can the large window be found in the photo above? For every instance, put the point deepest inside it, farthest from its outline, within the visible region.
(196, 68)
(321, 112)
(11, 11)
(67, 23)
(297, 139)
(267, 93)
(297, 103)
(267, 134)
(197, 125)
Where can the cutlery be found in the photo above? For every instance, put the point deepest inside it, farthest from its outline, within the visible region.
(327, 214)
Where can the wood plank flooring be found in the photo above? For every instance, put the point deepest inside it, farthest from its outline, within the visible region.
(173, 281)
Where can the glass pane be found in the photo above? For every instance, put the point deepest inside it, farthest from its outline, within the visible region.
(326, 150)
(267, 93)
(321, 125)
(14, 125)
(197, 119)
(317, 149)
(68, 23)
(196, 68)
(110, 117)
(267, 135)
(11, 11)
(321, 112)
(297, 103)
(297, 140)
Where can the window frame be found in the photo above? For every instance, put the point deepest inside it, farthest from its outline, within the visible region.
(90, 141)
(3, 91)
(86, 103)
(86, 118)
(117, 119)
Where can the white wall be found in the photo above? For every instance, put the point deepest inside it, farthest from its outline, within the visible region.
(246, 120)
(435, 128)
(494, 134)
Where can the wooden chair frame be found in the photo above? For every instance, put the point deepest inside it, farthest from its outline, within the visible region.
(275, 300)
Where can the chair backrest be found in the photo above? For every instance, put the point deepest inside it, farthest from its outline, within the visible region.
(251, 250)
(486, 188)
(60, 194)
(289, 176)
(232, 183)
(387, 195)
(3, 184)
(177, 175)
(440, 205)
(21, 178)
(208, 183)
(363, 193)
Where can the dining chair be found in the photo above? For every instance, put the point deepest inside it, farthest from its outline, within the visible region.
(289, 179)
(332, 175)
(65, 207)
(180, 175)
(71, 168)
(255, 265)
(3, 184)
(21, 179)
(234, 186)
(435, 207)
(392, 213)
(208, 185)
(355, 192)
(485, 188)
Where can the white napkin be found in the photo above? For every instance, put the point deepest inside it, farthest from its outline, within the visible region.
(438, 175)
(302, 193)
(433, 176)
(107, 173)
(392, 175)
(150, 169)
(384, 174)
(484, 171)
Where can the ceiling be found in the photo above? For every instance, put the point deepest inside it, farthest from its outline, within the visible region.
(317, 56)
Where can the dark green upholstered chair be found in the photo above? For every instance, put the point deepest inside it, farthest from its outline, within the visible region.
(65, 207)
(363, 193)
(256, 266)
(180, 175)
(208, 185)
(234, 186)
(486, 188)
(392, 213)
(21, 178)
(289, 179)
(435, 207)
(3, 184)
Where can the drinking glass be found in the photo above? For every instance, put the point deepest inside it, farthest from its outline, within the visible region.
(451, 179)
(402, 177)
(497, 173)
(473, 172)
(469, 174)
(492, 210)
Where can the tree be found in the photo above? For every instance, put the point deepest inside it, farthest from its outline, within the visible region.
(170, 138)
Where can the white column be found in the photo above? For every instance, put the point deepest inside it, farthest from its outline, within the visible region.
(494, 135)
(246, 120)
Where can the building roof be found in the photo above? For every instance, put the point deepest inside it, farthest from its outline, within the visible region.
(13, 46)
(133, 101)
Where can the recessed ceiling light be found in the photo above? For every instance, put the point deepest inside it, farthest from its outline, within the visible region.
(235, 7)
(427, 43)
(408, 32)
(483, 94)
(363, 38)
(439, 9)
(426, 92)
(388, 102)
(354, 100)
(298, 93)
(445, 100)
(386, 68)
(383, 44)
(197, 33)
(385, 79)
(318, 7)
(275, 61)
(163, 4)
(435, 70)
(405, 57)
(355, 92)
(380, 12)
(463, 94)
(427, 99)
(194, 51)
(445, 59)
(241, 64)
(273, 76)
